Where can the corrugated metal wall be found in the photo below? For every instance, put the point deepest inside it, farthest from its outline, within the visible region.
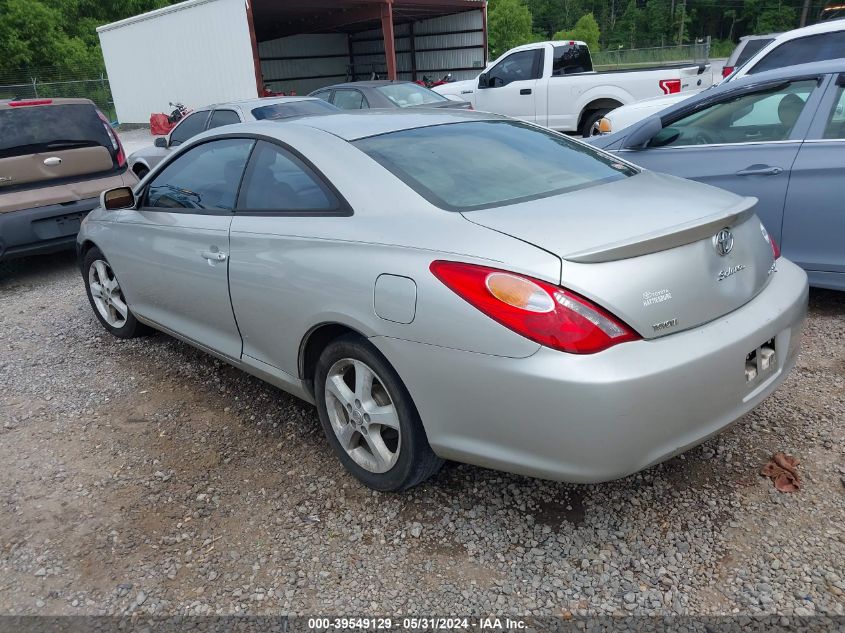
(461, 33)
(198, 53)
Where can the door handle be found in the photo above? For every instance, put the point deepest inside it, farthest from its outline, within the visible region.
(760, 170)
(53, 161)
(525, 91)
(213, 256)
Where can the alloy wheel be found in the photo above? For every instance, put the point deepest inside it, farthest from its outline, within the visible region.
(363, 415)
(107, 295)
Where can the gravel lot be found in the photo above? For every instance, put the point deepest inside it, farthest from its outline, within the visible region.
(145, 476)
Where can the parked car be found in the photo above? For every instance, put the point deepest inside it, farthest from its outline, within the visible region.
(777, 136)
(56, 156)
(213, 116)
(362, 95)
(456, 285)
(816, 43)
(553, 84)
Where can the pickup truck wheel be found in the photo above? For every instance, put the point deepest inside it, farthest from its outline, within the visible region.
(106, 297)
(369, 418)
(587, 129)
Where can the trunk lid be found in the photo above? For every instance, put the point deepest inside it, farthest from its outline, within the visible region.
(645, 248)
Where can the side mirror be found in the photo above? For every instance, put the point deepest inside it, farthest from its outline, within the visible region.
(640, 137)
(482, 80)
(161, 141)
(116, 199)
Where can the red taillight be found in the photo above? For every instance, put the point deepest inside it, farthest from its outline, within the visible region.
(770, 240)
(29, 102)
(726, 71)
(120, 155)
(542, 312)
(670, 86)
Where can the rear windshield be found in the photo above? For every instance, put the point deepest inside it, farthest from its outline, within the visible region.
(751, 48)
(482, 164)
(292, 109)
(29, 129)
(409, 95)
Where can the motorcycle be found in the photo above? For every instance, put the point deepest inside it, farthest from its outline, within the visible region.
(161, 123)
(427, 82)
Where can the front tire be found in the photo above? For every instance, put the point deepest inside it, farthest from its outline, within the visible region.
(369, 418)
(588, 128)
(106, 297)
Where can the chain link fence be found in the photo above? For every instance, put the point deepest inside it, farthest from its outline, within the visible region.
(41, 83)
(640, 57)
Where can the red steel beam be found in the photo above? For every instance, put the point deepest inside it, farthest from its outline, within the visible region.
(389, 41)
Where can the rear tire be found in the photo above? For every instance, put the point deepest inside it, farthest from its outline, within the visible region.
(587, 130)
(369, 418)
(106, 297)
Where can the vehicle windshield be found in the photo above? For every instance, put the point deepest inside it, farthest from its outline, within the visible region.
(313, 107)
(481, 164)
(408, 95)
(29, 129)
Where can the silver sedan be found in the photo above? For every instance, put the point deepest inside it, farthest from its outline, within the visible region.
(456, 285)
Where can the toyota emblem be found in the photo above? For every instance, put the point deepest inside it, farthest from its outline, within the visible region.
(723, 242)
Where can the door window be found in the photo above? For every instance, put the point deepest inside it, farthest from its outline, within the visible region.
(519, 66)
(223, 117)
(204, 177)
(813, 48)
(835, 127)
(276, 180)
(190, 126)
(349, 100)
(762, 116)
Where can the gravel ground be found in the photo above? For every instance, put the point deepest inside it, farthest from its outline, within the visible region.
(145, 476)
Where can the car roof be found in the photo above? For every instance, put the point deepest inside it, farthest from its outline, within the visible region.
(767, 36)
(5, 103)
(257, 102)
(354, 125)
(365, 84)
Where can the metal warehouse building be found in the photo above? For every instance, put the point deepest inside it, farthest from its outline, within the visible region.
(207, 51)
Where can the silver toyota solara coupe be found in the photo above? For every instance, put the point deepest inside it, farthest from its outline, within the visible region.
(456, 285)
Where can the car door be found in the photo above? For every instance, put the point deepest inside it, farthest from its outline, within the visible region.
(745, 142)
(281, 199)
(814, 216)
(510, 86)
(348, 99)
(172, 251)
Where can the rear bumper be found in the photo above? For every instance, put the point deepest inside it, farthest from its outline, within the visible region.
(602, 416)
(43, 229)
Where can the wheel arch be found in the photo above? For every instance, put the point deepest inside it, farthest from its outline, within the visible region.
(313, 344)
(603, 103)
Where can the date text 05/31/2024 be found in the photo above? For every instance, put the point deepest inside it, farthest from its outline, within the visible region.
(416, 624)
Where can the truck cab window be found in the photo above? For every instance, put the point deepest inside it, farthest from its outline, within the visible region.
(520, 66)
(571, 59)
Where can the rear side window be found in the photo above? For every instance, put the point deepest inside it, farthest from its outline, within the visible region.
(813, 48)
(571, 59)
(751, 48)
(276, 180)
(223, 117)
(835, 127)
(30, 129)
(192, 125)
(481, 164)
(204, 177)
(349, 100)
(312, 107)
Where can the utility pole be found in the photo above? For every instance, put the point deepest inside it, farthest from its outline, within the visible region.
(683, 16)
(804, 13)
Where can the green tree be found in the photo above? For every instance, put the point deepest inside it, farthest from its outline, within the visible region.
(509, 24)
(586, 29)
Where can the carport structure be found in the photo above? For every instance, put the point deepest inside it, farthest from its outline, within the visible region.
(394, 39)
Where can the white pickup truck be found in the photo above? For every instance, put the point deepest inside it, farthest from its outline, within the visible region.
(553, 84)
